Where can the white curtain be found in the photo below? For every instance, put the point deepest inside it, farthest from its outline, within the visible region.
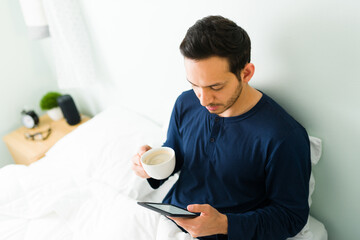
(72, 49)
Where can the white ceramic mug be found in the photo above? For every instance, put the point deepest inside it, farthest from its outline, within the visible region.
(159, 163)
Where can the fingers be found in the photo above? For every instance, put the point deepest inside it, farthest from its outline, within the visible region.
(189, 224)
(183, 222)
(138, 168)
(144, 149)
(136, 163)
(136, 159)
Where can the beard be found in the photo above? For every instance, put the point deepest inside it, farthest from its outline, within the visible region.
(229, 103)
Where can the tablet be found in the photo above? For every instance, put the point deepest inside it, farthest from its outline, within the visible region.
(168, 209)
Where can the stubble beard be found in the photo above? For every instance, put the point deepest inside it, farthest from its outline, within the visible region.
(230, 102)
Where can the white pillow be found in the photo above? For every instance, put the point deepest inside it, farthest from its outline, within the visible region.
(315, 154)
(315, 151)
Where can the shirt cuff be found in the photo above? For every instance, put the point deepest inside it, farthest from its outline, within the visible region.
(154, 183)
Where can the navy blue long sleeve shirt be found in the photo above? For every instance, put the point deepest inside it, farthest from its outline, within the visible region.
(255, 168)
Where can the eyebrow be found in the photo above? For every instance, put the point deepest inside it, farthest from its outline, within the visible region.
(213, 85)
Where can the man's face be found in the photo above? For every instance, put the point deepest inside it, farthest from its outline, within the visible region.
(216, 87)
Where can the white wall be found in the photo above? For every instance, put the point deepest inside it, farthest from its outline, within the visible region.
(306, 55)
(25, 74)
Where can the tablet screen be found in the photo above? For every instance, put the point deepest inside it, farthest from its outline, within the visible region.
(170, 209)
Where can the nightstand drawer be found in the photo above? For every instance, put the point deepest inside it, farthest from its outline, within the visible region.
(24, 155)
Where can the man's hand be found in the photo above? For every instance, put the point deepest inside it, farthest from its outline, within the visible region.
(210, 221)
(136, 163)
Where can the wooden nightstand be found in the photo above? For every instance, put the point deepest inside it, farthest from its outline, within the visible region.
(25, 151)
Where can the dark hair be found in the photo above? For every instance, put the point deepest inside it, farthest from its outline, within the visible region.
(217, 36)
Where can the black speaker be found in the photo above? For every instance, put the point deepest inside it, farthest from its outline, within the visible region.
(68, 108)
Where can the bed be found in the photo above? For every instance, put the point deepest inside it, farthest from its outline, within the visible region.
(84, 187)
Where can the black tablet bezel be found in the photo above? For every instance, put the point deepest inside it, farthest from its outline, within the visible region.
(146, 204)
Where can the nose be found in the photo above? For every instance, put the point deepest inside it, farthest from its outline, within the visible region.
(204, 96)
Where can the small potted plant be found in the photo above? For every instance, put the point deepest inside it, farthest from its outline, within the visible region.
(49, 103)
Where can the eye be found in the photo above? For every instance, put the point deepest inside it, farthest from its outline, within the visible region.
(216, 88)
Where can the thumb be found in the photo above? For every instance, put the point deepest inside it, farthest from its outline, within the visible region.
(144, 149)
(198, 208)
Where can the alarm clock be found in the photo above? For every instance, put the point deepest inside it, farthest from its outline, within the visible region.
(29, 118)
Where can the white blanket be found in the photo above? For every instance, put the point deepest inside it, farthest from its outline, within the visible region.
(46, 203)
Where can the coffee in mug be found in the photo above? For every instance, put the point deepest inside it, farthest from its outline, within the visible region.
(159, 163)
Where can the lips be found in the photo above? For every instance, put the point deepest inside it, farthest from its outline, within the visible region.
(212, 108)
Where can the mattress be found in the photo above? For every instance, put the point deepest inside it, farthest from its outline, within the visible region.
(88, 191)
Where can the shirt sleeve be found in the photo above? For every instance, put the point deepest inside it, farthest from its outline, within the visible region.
(173, 141)
(287, 188)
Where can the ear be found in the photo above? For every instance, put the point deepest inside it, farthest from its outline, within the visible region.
(247, 72)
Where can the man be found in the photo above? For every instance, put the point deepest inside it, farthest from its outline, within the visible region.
(245, 163)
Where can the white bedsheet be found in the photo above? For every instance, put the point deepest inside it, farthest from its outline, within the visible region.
(84, 187)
